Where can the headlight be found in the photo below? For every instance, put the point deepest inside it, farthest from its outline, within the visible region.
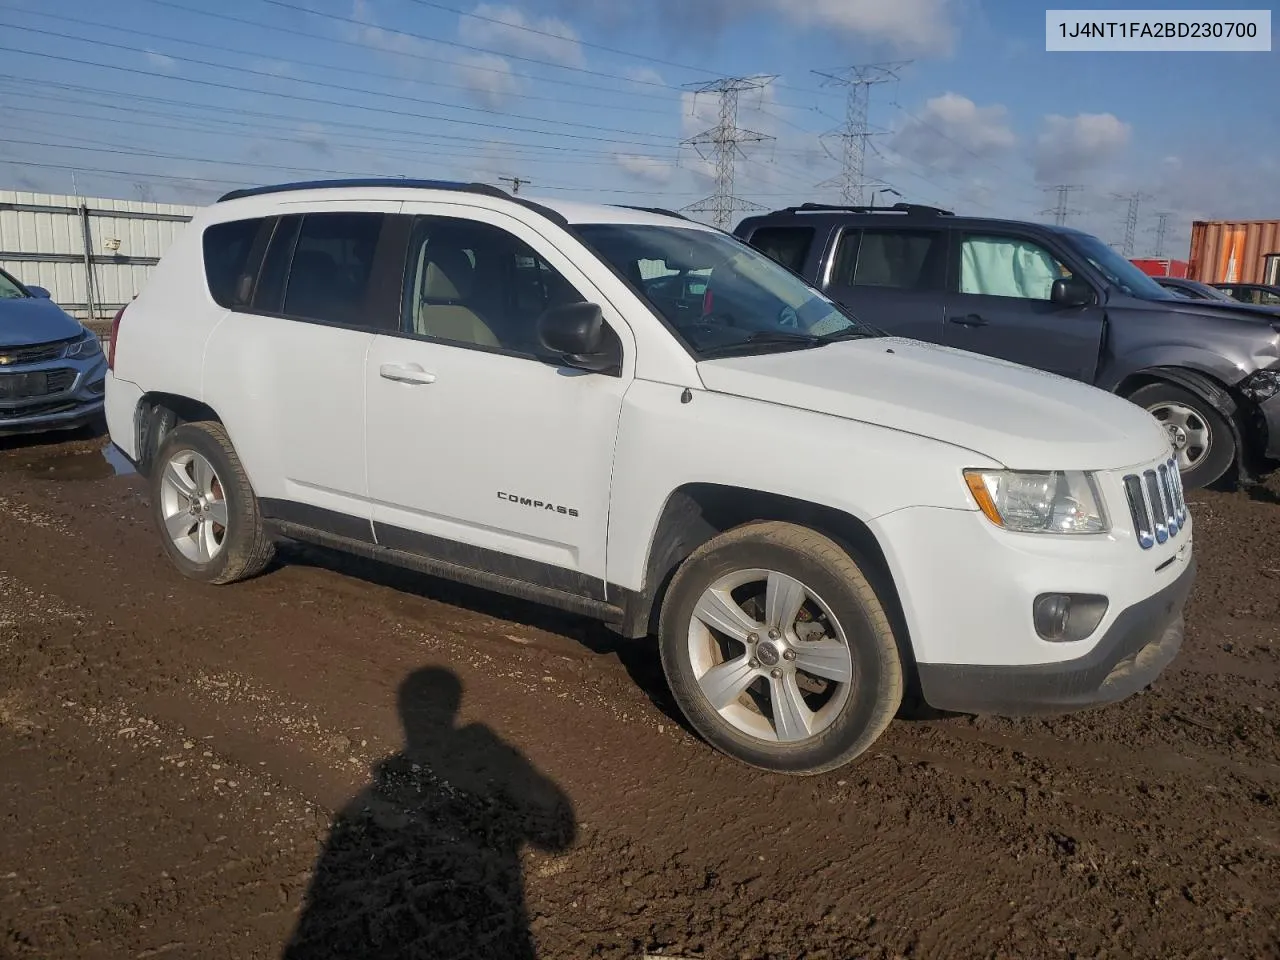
(87, 346)
(1054, 501)
(1260, 385)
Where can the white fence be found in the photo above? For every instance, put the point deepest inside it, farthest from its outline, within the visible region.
(93, 255)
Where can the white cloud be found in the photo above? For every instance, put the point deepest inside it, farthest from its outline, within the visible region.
(1071, 146)
(921, 26)
(509, 30)
(644, 75)
(369, 34)
(162, 62)
(488, 78)
(646, 169)
(911, 26)
(953, 133)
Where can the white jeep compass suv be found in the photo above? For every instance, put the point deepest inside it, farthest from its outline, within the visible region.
(629, 415)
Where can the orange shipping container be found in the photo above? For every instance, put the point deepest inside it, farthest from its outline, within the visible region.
(1235, 251)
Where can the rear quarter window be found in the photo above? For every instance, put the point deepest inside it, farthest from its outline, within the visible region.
(227, 247)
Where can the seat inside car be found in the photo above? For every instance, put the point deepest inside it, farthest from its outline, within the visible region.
(445, 305)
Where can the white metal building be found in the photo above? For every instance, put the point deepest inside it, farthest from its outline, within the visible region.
(93, 255)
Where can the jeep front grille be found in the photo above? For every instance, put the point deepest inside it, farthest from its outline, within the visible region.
(1156, 503)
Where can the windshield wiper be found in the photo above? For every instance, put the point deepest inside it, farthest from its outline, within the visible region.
(764, 338)
(847, 333)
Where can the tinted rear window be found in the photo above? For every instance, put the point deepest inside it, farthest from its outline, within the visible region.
(787, 245)
(226, 254)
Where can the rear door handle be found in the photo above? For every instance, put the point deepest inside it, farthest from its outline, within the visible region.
(405, 373)
(970, 320)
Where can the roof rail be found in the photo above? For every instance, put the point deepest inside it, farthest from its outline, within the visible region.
(481, 189)
(910, 209)
(660, 211)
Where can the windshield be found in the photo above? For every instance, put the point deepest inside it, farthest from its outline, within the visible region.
(9, 288)
(720, 295)
(1119, 270)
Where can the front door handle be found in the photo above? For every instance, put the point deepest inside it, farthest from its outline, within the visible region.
(405, 373)
(969, 320)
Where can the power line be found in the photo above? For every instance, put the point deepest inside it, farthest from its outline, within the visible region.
(321, 100)
(340, 68)
(120, 97)
(854, 134)
(555, 36)
(726, 139)
(1131, 219)
(330, 86)
(1062, 210)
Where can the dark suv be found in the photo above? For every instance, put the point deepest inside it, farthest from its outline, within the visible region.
(1053, 298)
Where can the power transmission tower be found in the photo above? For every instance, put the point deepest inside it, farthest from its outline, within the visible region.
(855, 134)
(1062, 210)
(1130, 220)
(516, 183)
(1162, 231)
(726, 139)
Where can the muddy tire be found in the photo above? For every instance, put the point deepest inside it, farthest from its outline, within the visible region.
(204, 507)
(778, 650)
(1201, 437)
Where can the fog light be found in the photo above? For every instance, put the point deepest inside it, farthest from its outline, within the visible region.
(98, 386)
(1067, 617)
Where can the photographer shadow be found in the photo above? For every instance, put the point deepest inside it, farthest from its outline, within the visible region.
(425, 861)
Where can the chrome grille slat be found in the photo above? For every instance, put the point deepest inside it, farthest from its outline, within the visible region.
(1157, 503)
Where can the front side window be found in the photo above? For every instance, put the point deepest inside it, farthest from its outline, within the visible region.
(227, 247)
(894, 259)
(718, 294)
(474, 284)
(1116, 268)
(331, 268)
(1008, 267)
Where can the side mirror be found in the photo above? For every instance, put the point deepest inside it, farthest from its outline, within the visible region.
(1071, 292)
(39, 292)
(577, 333)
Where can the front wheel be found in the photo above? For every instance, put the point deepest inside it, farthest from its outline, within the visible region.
(778, 650)
(1200, 436)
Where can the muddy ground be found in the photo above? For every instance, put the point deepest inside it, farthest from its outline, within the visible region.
(179, 764)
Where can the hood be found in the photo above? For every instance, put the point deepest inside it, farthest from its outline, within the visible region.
(1213, 309)
(1023, 418)
(26, 321)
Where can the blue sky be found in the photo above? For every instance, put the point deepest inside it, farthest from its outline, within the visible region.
(591, 99)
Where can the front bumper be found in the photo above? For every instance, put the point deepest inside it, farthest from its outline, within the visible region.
(1141, 642)
(78, 403)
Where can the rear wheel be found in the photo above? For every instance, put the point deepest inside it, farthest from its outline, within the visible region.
(778, 650)
(204, 507)
(1201, 438)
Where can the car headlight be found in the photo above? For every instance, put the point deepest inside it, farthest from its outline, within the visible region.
(1260, 385)
(1054, 501)
(87, 346)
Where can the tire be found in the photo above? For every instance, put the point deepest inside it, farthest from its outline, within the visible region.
(1189, 418)
(207, 549)
(840, 723)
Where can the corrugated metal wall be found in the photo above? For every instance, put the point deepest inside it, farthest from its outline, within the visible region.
(43, 242)
(1232, 251)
